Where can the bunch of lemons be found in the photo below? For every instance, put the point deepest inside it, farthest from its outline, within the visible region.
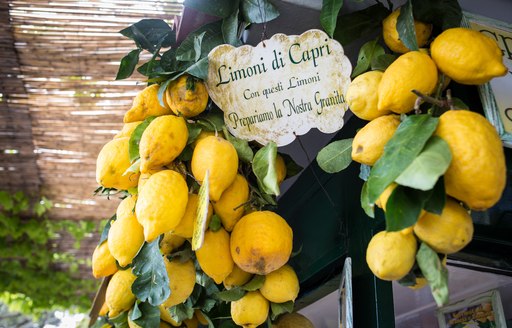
(476, 176)
(163, 203)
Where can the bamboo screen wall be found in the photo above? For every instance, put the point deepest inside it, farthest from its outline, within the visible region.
(59, 103)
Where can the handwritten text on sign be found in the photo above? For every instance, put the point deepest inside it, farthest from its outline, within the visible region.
(282, 87)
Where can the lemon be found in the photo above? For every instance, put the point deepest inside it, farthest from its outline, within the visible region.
(219, 158)
(163, 140)
(411, 71)
(392, 39)
(127, 130)
(281, 285)
(103, 310)
(200, 317)
(368, 144)
(293, 320)
(186, 96)
(446, 233)
(182, 278)
(280, 169)
(261, 242)
(170, 242)
(477, 172)
(103, 263)
(237, 277)
(161, 203)
(119, 296)
(146, 104)
(250, 311)
(125, 237)
(204, 133)
(185, 228)
(113, 161)
(383, 198)
(143, 178)
(191, 323)
(391, 255)
(166, 316)
(467, 56)
(420, 282)
(230, 206)
(214, 256)
(362, 96)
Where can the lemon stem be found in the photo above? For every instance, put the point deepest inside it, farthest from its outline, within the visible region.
(449, 100)
(431, 100)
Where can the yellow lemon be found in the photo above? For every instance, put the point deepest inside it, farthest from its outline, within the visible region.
(161, 203)
(166, 317)
(103, 310)
(113, 161)
(281, 285)
(230, 206)
(362, 96)
(127, 130)
(191, 323)
(146, 104)
(125, 237)
(392, 39)
(237, 277)
(293, 320)
(214, 256)
(419, 283)
(280, 169)
(219, 158)
(411, 71)
(200, 317)
(182, 278)
(383, 198)
(170, 242)
(261, 242)
(251, 310)
(187, 96)
(119, 296)
(103, 263)
(186, 226)
(477, 172)
(391, 255)
(203, 134)
(446, 233)
(143, 178)
(368, 144)
(467, 56)
(163, 140)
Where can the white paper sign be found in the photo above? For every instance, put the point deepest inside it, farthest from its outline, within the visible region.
(282, 87)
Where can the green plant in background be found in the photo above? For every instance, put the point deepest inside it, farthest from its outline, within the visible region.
(35, 277)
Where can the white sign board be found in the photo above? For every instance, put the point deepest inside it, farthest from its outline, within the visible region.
(281, 88)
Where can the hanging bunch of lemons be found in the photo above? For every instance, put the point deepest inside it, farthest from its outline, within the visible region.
(194, 230)
(426, 161)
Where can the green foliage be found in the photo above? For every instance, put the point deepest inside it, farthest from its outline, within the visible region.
(367, 54)
(359, 23)
(277, 309)
(264, 167)
(133, 144)
(435, 272)
(34, 276)
(405, 27)
(336, 156)
(329, 15)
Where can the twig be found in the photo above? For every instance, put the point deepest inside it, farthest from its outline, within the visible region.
(449, 99)
(431, 100)
(417, 104)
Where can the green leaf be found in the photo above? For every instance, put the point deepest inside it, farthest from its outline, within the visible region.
(202, 213)
(134, 168)
(135, 313)
(133, 143)
(354, 25)
(407, 142)
(149, 315)
(149, 34)
(6, 200)
(151, 68)
(254, 284)
(231, 295)
(431, 163)
(218, 8)
(212, 38)
(152, 283)
(181, 312)
(259, 11)
(329, 15)
(199, 69)
(405, 27)
(364, 172)
(435, 203)
(161, 91)
(106, 229)
(242, 147)
(336, 156)
(101, 322)
(193, 132)
(230, 28)
(403, 207)
(292, 168)
(213, 121)
(459, 104)
(408, 280)
(264, 168)
(277, 309)
(198, 39)
(127, 65)
(367, 53)
(120, 321)
(186, 154)
(367, 206)
(435, 273)
(215, 223)
(380, 63)
(444, 14)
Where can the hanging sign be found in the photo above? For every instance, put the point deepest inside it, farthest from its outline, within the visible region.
(281, 88)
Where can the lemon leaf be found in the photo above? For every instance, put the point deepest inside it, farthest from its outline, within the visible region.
(437, 199)
(181, 312)
(134, 168)
(407, 142)
(256, 282)
(431, 163)
(292, 168)
(193, 131)
(364, 172)
(147, 33)
(404, 207)
(367, 206)
(128, 63)
(381, 62)
(106, 229)
(146, 316)
(441, 13)
(101, 322)
(329, 15)
(212, 38)
(162, 89)
(199, 69)
(360, 23)
(120, 321)
(264, 168)
(230, 27)
(231, 295)
(367, 53)
(258, 11)
(213, 121)
(336, 156)
(408, 280)
(219, 8)
(215, 223)
(202, 213)
(277, 309)
(435, 272)
(133, 143)
(152, 282)
(242, 147)
(405, 27)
